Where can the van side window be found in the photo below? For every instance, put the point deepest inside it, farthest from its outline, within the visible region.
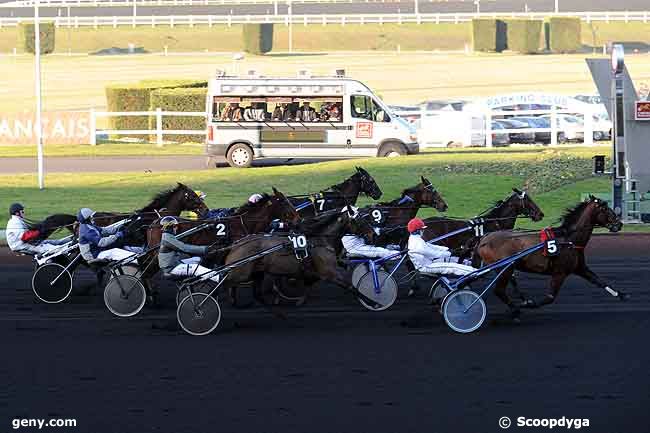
(364, 107)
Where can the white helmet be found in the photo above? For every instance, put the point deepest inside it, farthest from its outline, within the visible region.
(85, 214)
(255, 198)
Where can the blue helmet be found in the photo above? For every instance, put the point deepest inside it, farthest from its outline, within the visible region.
(14, 208)
(84, 215)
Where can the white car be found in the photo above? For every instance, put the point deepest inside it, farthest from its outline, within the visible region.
(570, 128)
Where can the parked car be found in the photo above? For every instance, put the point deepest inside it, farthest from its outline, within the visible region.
(589, 99)
(570, 128)
(408, 112)
(602, 126)
(499, 138)
(517, 137)
(537, 122)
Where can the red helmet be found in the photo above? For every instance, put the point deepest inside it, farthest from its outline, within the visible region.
(416, 224)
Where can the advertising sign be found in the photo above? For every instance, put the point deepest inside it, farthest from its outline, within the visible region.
(60, 127)
(364, 129)
(642, 110)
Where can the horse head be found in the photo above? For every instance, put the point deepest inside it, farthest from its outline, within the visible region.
(185, 198)
(283, 209)
(426, 194)
(522, 204)
(602, 215)
(367, 184)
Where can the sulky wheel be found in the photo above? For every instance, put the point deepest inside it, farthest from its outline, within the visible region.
(387, 293)
(198, 314)
(459, 315)
(52, 283)
(198, 287)
(125, 295)
(359, 271)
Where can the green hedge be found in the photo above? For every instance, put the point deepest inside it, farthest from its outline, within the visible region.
(564, 34)
(258, 38)
(27, 37)
(524, 35)
(137, 97)
(488, 35)
(182, 99)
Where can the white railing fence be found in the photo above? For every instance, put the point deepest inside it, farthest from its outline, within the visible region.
(311, 19)
(436, 128)
(159, 132)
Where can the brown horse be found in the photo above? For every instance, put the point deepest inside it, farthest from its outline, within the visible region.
(572, 236)
(338, 196)
(394, 215)
(323, 234)
(501, 216)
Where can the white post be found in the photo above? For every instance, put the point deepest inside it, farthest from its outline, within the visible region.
(488, 129)
(478, 6)
(135, 11)
(589, 126)
(557, 6)
(159, 130)
(93, 128)
(39, 107)
(553, 125)
(417, 8)
(289, 12)
(275, 7)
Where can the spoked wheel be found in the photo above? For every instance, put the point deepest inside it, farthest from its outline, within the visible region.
(199, 287)
(459, 315)
(439, 293)
(125, 295)
(359, 271)
(52, 283)
(198, 314)
(387, 290)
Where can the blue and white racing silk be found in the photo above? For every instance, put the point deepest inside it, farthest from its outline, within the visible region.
(220, 212)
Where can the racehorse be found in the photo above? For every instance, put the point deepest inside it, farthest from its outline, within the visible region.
(572, 236)
(501, 216)
(53, 223)
(338, 196)
(323, 234)
(249, 218)
(394, 215)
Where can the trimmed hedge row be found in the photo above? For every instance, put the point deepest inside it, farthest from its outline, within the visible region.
(181, 99)
(564, 34)
(137, 97)
(524, 35)
(258, 38)
(27, 37)
(488, 35)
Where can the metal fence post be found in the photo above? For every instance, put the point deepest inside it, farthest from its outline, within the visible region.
(488, 129)
(93, 128)
(553, 125)
(589, 127)
(159, 126)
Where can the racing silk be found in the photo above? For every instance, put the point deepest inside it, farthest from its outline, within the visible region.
(434, 259)
(93, 239)
(172, 252)
(356, 246)
(19, 234)
(219, 212)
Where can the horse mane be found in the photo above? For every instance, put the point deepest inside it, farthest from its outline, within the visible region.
(160, 198)
(572, 214)
(405, 192)
(339, 186)
(249, 207)
(56, 221)
(320, 221)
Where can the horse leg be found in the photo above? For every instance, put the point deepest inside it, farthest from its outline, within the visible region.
(556, 283)
(591, 276)
(501, 293)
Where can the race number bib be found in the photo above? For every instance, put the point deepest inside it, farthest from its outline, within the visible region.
(478, 224)
(320, 203)
(300, 245)
(377, 217)
(221, 230)
(551, 248)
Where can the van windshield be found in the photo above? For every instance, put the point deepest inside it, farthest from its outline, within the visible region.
(277, 109)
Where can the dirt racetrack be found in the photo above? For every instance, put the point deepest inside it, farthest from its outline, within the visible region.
(331, 366)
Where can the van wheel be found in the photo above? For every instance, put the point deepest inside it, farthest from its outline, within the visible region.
(561, 138)
(240, 156)
(391, 150)
(598, 135)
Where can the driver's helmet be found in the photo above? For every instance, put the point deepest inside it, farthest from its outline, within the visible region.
(168, 224)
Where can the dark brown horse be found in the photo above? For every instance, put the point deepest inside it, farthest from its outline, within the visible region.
(52, 224)
(394, 215)
(338, 196)
(501, 216)
(572, 236)
(323, 234)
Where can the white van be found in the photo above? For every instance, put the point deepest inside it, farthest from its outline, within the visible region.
(257, 117)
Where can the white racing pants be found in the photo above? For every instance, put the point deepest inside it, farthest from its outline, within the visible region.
(356, 246)
(447, 267)
(191, 266)
(38, 249)
(118, 254)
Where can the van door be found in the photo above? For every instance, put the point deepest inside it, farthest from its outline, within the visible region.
(370, 125)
